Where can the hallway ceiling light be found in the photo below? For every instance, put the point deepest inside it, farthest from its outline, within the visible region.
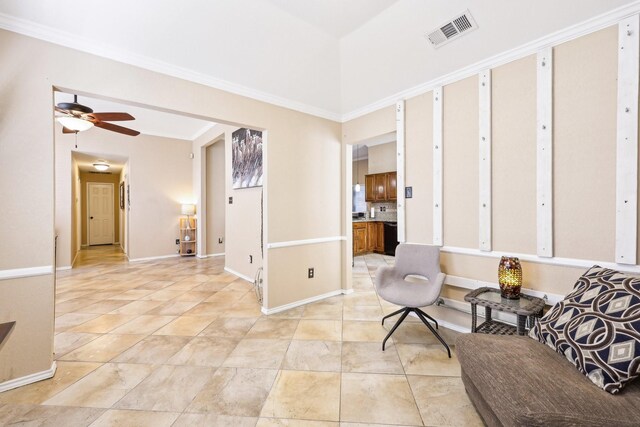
(101, 165)
(75, 123)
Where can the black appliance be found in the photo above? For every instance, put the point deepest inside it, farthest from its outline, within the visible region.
(390, 238)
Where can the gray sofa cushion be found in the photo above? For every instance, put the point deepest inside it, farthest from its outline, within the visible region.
(515, 381)
(597, 327)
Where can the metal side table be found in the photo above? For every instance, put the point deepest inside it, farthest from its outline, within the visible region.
(527, 307)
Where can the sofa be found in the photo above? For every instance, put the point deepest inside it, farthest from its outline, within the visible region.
(517, 381)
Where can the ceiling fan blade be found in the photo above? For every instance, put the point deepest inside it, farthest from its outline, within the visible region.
(112, 117)
(62, 110)
(67, 130)
(116, 128)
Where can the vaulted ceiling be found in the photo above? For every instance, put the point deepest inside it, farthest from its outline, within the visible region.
(327, 57)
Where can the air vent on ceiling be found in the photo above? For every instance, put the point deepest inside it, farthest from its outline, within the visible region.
(453, 29)
(100, 173)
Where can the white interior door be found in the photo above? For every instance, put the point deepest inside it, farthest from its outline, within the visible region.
(100, 211)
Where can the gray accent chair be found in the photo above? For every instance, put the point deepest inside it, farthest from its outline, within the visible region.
(392, 285)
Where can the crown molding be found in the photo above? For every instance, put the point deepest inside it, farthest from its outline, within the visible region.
(591, 25)
(63, 38)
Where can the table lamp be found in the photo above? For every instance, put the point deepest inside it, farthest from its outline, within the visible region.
(188, 210)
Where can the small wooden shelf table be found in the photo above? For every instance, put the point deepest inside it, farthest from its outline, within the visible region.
(527, 307)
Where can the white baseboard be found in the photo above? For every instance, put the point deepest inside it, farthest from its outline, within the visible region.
(240, 275)
(151, 258)
(210, 255)
(63, 268)
(17, 273)
(28, 379)
(295, 304)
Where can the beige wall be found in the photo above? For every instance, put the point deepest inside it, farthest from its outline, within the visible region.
(513, 151)
(303, 164)
(216, 197)
(87, 177)
(156, 195)
(585, 72)
(76, 223)
(383, 158)
(418, 170)
(584, 131)
(460, 169)
(242, 219)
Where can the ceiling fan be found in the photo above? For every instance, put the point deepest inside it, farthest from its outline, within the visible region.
(77, 118)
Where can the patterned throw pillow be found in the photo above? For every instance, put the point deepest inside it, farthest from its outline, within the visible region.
(597, 327)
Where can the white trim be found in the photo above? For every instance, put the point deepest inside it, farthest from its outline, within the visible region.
(305, 242)
(265, 218)
(544, 153)
(472, 284)
(563, 262)
(29, 379)
(484, 160)
(305, 301)
(583, 28)
(84, 44)
(151, 258)
(400, 171)
(627, 141)
(240, 275)
(17, 273)
(437, 167)
(210, 255)
(63, 268)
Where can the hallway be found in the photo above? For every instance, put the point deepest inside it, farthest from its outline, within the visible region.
(181, 342)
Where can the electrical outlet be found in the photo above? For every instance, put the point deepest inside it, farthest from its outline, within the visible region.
(250, 259)
(230, 200)
(177, 241)
(312, 273)
(220, 240)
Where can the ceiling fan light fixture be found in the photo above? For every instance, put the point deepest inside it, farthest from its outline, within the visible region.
(75, 123)
(101, 165)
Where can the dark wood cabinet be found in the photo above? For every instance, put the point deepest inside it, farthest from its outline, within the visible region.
(392, 185)
(368, 237)
(359, 238)
(379, 248)
(381, 187)
(369, 188)
(372, 236)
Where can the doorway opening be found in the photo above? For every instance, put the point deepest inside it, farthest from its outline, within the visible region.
(373, 189)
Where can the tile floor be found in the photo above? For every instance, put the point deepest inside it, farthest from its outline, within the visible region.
(180, 342)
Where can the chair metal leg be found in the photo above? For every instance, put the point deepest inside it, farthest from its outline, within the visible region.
(418, 312)
(400, 320)
(428, 317)
(392, 314)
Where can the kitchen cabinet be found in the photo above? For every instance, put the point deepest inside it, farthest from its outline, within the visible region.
(368, 237)
(372, 236)
(381, 187)
(392, 185)
(369, 188)
(359, 238)
(379, 248)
